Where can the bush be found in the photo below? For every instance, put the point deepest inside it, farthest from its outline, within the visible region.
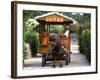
(33, 39)
(85, 43)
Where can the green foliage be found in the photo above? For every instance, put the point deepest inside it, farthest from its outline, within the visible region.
(85, 43)
(54, 28)
(83, 19)
(30, 29)
(35, 36)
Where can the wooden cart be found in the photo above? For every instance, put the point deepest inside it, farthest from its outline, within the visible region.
(53, 18)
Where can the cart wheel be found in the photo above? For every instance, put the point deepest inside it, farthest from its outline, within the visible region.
(69, 59)
(43, 60)
(66, 59)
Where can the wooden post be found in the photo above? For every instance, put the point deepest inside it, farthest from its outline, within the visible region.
(41, 28)
(49, 28)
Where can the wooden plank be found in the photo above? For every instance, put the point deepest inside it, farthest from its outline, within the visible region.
(54, 18)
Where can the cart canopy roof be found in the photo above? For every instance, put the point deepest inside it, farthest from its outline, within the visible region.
(54, 17)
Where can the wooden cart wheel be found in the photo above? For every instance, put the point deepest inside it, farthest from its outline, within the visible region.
(43, 60)
(69, 59)
(69, 56)
(66, 59)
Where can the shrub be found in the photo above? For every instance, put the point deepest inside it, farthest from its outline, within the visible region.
(85, 43)
(33, 39)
